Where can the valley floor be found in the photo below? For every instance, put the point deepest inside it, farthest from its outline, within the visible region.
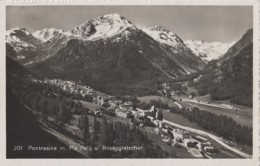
(241, 114)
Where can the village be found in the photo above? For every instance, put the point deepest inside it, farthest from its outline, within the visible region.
(151, 120)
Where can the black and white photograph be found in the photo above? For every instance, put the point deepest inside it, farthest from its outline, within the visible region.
(129, 82)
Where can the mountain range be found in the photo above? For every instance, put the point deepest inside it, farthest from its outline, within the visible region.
(46, 41)
(106, 52)
(113, 55)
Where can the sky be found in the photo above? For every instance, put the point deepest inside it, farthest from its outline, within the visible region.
(208, 23)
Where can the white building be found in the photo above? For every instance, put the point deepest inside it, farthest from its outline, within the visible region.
(180, 135)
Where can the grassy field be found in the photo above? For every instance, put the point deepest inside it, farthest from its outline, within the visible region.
(208, 99)
(243, 115)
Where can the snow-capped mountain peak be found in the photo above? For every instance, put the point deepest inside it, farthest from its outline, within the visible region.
(102, 27)
(48, 33)
(158, 28)
(14, 31)
(208, 50)
(21, 38)
(164, 36)
(116, 18)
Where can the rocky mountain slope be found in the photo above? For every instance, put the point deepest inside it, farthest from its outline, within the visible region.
(175, 48)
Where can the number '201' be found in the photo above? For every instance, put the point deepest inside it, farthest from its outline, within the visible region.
(18, 148)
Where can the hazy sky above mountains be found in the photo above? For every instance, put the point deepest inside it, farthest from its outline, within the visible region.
(209, 23)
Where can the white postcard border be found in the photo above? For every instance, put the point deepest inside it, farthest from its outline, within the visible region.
(151, 162)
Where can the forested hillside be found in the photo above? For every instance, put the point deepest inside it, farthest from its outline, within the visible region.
(231, 77)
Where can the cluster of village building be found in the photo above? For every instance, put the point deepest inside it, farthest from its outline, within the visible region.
(125, 109)
(181, 138)
(170, 135)
(70, 86)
